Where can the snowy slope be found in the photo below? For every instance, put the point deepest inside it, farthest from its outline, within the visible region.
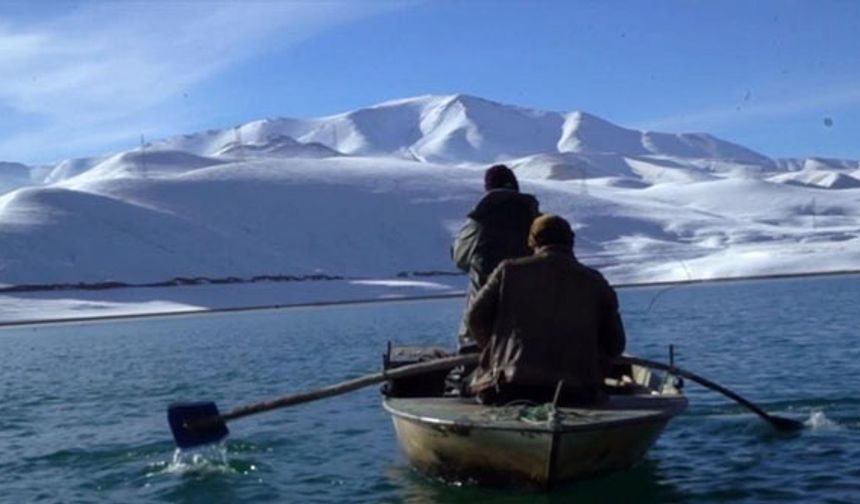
(821, 178)
(818, 164)
(275, 146)
(343, 217)
(379, 191)
(13, 176)
(70, 168)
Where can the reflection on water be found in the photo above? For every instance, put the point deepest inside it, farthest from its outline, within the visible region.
(642, 484)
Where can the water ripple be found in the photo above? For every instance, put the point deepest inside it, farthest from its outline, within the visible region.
(83, 417)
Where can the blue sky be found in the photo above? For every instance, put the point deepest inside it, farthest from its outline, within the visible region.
(87, 78)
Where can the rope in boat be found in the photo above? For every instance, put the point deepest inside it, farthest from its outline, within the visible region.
(546, 413)
(538, 414)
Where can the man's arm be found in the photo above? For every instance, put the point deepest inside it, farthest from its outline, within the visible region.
(481, 316)
(464, 244)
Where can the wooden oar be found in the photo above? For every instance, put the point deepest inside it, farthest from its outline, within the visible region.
(199, 423)
(779, 423)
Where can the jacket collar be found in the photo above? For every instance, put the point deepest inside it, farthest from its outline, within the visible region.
(495, 200)
(555, 249)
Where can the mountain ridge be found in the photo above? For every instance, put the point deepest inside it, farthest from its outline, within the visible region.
(381, 190)
(463, 127)
(452, 128)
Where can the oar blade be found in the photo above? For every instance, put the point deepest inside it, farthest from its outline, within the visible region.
(786, 424)
(191, 425)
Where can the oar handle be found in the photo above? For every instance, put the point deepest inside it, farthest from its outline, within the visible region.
(778, 422)
(347, 386)
(694, 377)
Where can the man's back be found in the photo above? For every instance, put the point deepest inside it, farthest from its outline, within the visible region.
(503, 217)
(496, 229)
(550, 319)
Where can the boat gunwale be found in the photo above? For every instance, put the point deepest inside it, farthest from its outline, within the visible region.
(679, 403)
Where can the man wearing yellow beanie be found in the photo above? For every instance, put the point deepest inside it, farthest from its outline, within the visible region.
(544, 320)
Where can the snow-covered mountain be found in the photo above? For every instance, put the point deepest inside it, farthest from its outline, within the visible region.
(379, 191)
(462, 128)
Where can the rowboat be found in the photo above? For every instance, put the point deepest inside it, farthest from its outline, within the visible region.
(457, 439)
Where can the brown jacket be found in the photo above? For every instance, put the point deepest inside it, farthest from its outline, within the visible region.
(542, 319)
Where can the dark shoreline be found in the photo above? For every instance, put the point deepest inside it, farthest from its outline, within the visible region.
(215, 311)
(773, 276)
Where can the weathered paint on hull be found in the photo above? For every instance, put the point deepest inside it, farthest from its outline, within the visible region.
(481, 455)
(580, 455)
(525, 456)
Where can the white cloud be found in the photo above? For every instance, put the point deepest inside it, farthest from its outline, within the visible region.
(703, 120)
(107, 61)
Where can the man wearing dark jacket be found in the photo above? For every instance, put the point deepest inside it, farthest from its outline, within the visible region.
(542, 320)
(496, 229)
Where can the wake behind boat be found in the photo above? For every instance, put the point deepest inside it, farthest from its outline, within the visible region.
(539, 445)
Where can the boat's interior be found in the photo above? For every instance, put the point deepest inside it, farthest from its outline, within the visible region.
(621, 379)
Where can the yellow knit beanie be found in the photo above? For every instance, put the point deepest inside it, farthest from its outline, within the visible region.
(549, 229)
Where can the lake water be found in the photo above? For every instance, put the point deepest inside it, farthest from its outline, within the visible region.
(83, 406)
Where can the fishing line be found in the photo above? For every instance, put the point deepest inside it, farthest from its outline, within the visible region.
(667, 289)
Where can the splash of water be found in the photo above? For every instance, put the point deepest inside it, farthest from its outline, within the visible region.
(203, 460)
(819, 421)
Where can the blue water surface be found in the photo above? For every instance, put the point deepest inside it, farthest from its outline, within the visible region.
(83, 405)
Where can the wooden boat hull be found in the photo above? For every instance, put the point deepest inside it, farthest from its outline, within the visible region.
(460, 440)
